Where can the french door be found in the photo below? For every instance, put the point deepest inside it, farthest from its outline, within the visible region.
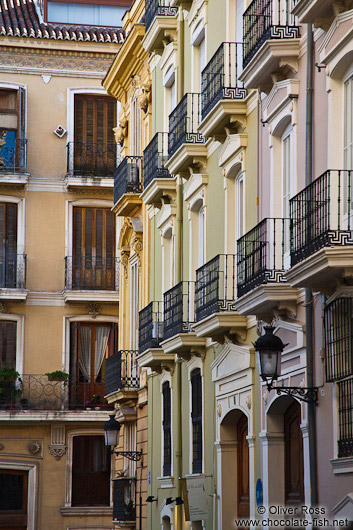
(243, 468)
(294, 462)
(13, 499)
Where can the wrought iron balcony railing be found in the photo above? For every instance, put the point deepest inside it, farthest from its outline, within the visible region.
(321, 214)
(91, 159)
(13, 154)
(178, 309)
(264, 20)
(215, 288)
(338, 339)
(155, 157)
(183, 123)
(13, 270)
(121, 372)
(91, 273)
(262, 254)
(128, 177)
(150, 326)
(345, 417)
(37, 392)
(124, 508)
(219, 79)
(158, 8)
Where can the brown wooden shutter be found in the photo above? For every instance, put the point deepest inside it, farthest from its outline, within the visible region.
(7, 343)
(21, 113)
(95, 118)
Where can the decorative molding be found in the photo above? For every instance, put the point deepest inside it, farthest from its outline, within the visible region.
(4, 308)
(34, 447)
(46, 184)
(57, 452)
(342, 465)
(94, 309)
(45, 299)
(57, 448)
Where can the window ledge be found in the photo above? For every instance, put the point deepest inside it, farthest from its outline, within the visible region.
(342, 465)
(166, 482)
(86, 510)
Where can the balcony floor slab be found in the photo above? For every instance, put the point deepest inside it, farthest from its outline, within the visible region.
(262, 300)
(183, 344)
(156, 33)
(309, 11)
(14, 180)
(16, 295)
(80, 183)
(186, 156)
(152, 358)
(127, 204)
(86, 296)
(122, 396)
(158, 188)
(225, 113)
(220, 324)
(52, 416)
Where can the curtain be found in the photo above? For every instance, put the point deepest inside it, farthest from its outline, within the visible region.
(102, 336)
(84, 350)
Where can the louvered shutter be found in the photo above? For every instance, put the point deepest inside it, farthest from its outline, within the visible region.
(8, 343)
(8, 245)
(196, 417)
(167, 439)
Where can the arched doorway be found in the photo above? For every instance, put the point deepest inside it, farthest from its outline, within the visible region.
(166, 523)
(293, 453)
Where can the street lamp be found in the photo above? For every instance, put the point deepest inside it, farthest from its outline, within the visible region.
(269, 348)
(111, 438)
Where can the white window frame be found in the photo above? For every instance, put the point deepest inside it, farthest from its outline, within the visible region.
(169, 83)
(202, 236)
(196, 362)
(16, 86)
(287, 177)
(20, 330)
(135, 126)
(21, 215)
(134, 302)
(198, 42)
(166, 378)
(239, 206)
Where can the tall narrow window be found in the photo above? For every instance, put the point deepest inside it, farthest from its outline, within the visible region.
(13, 499)
(202, 237)
(196, 419)
(345, 417)
(130, 445)
(7, 343)
(90, 466)
(12, 130)
(286, 184)
(8, 245)
(135, 126)
(239, 207)
(169, 94)
(167, 433)
(348, 124)
(93, 249)
(134, 304)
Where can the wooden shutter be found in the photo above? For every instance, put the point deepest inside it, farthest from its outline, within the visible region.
(95, 118)
(7, 344)
(8, 245)
(167, 440)
(21, 113)
(196, 417)
(243, 468)
(13, 499)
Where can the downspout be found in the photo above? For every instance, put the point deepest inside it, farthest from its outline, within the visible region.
(178, 278)
(308, 292)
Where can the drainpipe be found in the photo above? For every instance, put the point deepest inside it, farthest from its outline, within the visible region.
(309, 321)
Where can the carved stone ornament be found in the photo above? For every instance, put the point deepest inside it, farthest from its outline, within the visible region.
(34, 447)
(57, 451)
(248, 402)
(145, 96)
(121, 131)
(265, 398)
(4, 308)
(124, 260)
(93, 309)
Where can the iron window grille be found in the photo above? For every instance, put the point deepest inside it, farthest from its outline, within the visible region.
(150, 326)
(178, 309)
(121, 371)
(196, 419)
(124, 502)
(167, 432)
(338, 339)
(345, 417)
(128, 177)
(267, 19)
(13, 154)
(91, 159)
(13, 270)
(215, 287)
(158, 8)
(92, 273)
(261, 254)
(183, 123)
(321, 214)
(155, 157)
(219, 79)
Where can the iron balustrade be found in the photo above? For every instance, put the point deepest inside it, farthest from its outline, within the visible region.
(219, 79)
(121, 371)
(158, 8)
(13, 154)
(261, 254)
(264, 20)
(183, 123)
(37, 392)
(13, 270)
(321, 214)
(91, 159)
(155, 157)
(338, 339)
(215, 287)
(150, 326)
(92, 273)
(124, 505)
(178, 309)
(345, 417)
(128, 177)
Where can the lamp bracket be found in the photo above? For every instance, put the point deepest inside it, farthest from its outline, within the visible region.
(135, 456)
(309, 395)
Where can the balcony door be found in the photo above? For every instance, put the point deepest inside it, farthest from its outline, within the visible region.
(93, 266)
(12, 129)
(8, 245)
(91, 344)
(243, 468)
(294, 461)
(94, 147)
(13, 499)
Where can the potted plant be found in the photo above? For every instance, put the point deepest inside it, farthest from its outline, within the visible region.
(10, 386)
(130, 510)
(58, 375)
(8, 373)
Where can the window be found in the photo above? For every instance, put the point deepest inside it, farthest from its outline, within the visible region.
(170, 94)
(90, 345)
(97, 15)
(93, 249)
(239, 208)
(7, 343)
(135, 128)
(130, 445)
(12, 130)
(94, 144)
(134, 303)
(11, 265)
(13, 498)
(286, 184)
(90, 466)
(345, 417)
(167, 435)
(348, 124)
(196, 420)
(202, 236)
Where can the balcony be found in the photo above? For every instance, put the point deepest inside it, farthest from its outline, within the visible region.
(157, 181)
(13, 271)
(263, 257)
(179, 316)
(321, 232)
(222, 93)
(124, 509)
(128, 179)
(151, 335)
(317, 12)
(271, 41)
(91, 165)
(13, 160)
(122, 375)
(90, 277)
(185, 142)
(160, 20)
(36, 392)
